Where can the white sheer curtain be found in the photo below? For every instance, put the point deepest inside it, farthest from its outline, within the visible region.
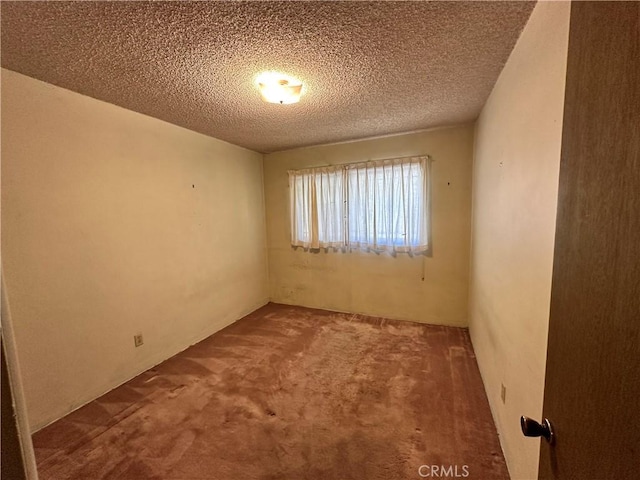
(388, 205)
(317, 207)
(376, 206)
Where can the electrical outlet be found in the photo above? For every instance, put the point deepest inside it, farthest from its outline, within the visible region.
(503, 392)
(137, 339)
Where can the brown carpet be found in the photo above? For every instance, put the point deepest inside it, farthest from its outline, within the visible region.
(290, 393)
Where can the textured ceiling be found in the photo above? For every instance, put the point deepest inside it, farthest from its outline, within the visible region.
(369, 68)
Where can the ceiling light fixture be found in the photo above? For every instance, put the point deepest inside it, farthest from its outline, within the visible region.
(277, 87)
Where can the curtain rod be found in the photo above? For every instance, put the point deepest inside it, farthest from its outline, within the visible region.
(369, 161)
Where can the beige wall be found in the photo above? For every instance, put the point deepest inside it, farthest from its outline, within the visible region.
(103, 236)
(517, 159)
(379, 284)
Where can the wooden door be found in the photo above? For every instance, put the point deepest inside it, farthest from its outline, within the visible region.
(592, 391)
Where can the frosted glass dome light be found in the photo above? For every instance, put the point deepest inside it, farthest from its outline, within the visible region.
(279, 88)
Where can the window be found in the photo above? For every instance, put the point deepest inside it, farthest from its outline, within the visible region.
(377, 206)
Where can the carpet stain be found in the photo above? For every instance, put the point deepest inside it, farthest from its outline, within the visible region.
(289, 393)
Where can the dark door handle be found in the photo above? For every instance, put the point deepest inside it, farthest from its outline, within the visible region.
(531, 428)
